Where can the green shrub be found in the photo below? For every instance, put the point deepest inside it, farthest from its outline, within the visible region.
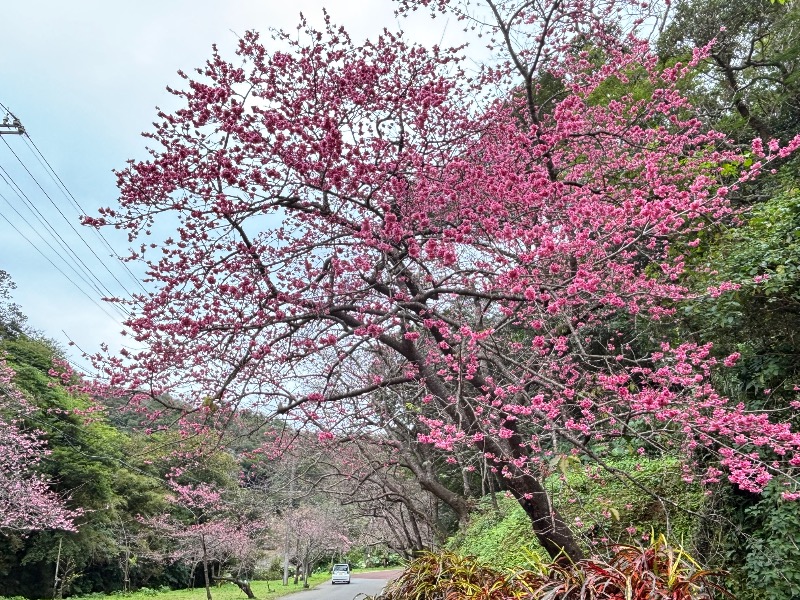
(772, 563)
(604, 509)
(601, 509)
(502, 538)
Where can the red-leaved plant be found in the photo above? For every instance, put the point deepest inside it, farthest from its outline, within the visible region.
(659, 571)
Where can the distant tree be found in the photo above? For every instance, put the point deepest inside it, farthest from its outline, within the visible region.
(27, 501)
(385, 483)
(208, 538)
(751, 81)
(12, 321)
(319, 532)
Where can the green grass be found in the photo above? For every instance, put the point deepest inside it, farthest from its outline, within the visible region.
(264, 590)
(227, 591)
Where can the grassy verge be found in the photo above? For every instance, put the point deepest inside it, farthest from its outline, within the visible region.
(264, 590)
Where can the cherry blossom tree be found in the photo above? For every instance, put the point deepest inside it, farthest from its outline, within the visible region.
(500, 248)
(319, 531)
(392, 486)
(210, 537)
(26, 501)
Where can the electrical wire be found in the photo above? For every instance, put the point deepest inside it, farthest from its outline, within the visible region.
(66, 255)
(71, 198)
(40, 157)
(72, 266)
(55, 266)
(68, 248)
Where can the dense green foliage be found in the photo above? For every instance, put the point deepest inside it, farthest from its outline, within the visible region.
(749, 87)
(773, 554)
(750, 84)
(603, 508)
(761, 319)
(91, 465)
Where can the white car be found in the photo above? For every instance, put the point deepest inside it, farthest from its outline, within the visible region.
(341, 574)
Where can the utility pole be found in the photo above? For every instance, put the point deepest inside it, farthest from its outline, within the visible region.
(11, 126)
(56, 592)
(288, 528)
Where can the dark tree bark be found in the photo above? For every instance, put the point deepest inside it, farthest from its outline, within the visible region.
(552, 532)
(242, 584)
(205, 568)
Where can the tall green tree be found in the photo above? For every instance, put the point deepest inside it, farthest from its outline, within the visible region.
(751, 82)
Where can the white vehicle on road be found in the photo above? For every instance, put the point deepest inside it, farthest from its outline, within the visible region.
(341, 574)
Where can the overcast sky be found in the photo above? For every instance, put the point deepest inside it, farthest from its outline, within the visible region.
(84, 78)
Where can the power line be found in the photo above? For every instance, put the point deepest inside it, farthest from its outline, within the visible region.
(67, 248)
(57, 268)
(88, 275)
(70, 197)
(72, 265)
(62, 255)
(85, 243)
(67, 259)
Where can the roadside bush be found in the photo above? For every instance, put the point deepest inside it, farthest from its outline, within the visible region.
(772, 563)
(655, 572)
(500, 536)
(273, 571)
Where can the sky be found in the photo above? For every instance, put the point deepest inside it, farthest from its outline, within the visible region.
(84, 78)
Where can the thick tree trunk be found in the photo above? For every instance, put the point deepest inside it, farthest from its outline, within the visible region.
(243, 585)
(205, 569)
(550, 529)
(548, 526)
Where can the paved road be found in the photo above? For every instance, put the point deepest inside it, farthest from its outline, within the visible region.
(360, 584)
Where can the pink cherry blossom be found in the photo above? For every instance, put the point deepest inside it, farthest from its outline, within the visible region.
(27, 503)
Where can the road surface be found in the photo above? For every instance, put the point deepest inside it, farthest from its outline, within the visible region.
(361, 584)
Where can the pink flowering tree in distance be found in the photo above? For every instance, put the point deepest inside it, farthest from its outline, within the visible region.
(208, 537)
(497, 246)
(26, 501)
(319, 532)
